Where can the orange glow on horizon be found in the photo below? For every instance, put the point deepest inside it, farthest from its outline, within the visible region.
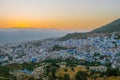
(78, 15)
(76, 24)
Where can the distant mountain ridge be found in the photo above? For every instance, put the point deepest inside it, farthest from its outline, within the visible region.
(21, 35)
(111, 27)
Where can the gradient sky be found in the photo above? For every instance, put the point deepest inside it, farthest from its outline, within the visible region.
(59, 14)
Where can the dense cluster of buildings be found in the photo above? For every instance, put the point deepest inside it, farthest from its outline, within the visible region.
(100, 49)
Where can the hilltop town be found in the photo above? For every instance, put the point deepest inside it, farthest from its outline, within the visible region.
(97, 53)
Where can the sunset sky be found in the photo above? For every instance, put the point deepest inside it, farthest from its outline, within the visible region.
(59, 14)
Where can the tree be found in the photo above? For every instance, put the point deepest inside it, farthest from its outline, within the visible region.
(66, 70)
(103, 74)
(53, 71)
(112, 72)
(81, 75)
(73, 69)
(4, 71)
(92, 73)
(66, 77)
(59, 78)
(32, 78)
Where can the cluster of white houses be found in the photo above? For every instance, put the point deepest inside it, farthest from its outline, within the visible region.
(92, 49)
(101, 49)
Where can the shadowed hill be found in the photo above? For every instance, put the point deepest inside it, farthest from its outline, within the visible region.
(108, 28)
(111, 27)
(73, 35)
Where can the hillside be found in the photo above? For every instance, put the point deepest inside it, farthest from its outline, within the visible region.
(73, 35)
(111, 27)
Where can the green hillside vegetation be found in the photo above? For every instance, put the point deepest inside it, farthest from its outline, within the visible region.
(111, 27)
(72, 36)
